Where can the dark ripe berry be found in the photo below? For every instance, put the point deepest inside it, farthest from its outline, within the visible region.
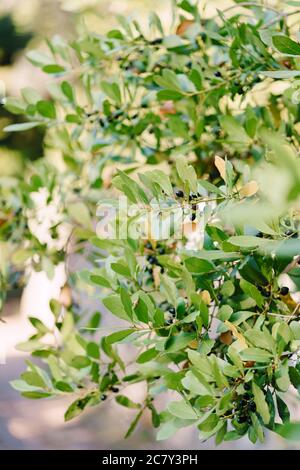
(260, 288)
(218, 74)
(265, 293)
(161, 251)
(172, 311)
(162, 270)
(247, 386)
(252, 406)
(114, 389)
(242, 419)
(194, 207)
(193, 217)
(236, 83)
(103, 397)
(179, 193)
(228, 413)
(219, 296)
(148, 246)
(246, 396)
(193, 196)
(284, 290)
(152, 259)
(259, 235)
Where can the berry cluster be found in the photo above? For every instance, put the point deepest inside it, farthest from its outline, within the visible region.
(190, 198)
(244, 405)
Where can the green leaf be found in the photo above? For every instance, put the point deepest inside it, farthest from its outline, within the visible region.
(100, 280)
(178, 342)
(227, 288)
(80, 362)
(283, 410)
(237, 136)
(112, 90)
(39, 325)
(147, 356)
(30, 95)
(23, 126)
(255, 354)
(286, 45)
(53, 69)
(261, 339)
(246, 241)
(92, 350)
(166, 95)
(125, 401)
(290, 431)
(261, 404)
(252, 291)
(182, 409)
(134, 424)
(141, 310)
(64, 387)
(199, 266)
(34, 379)
(67, 90)
(187, 174)
(196, 384)
(225, 312)
(126, 301)
(36, 395)
(119, 336)
(115, 305)
(121, 269)
(294, 376)
(38, 58)
(46, 109)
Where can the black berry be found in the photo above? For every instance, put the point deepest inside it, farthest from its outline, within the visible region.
(252, 406)
(161, 251)
(179, 193)
(103, 397)
(247, 386)
(115, 389)
(172, 310)
(218, 74)
(284, 290)
(193, 217)
(242, 419)
(152, 259)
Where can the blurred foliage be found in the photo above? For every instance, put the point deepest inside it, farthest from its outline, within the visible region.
(203, 119)
(11, 41)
